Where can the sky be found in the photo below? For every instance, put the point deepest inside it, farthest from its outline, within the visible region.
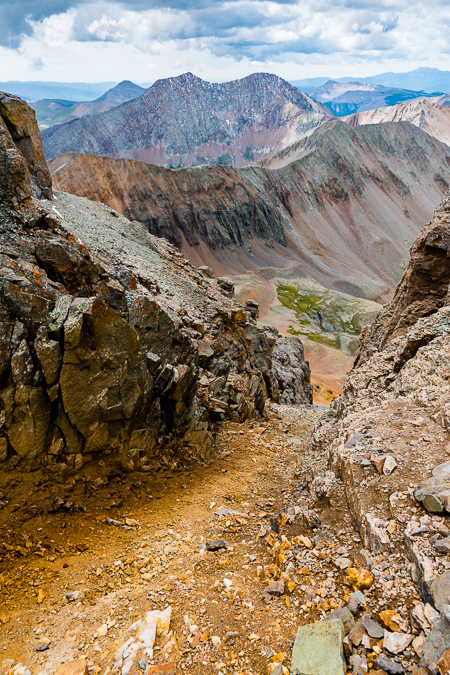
(144, 40)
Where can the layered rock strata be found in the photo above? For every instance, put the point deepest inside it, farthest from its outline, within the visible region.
(341, 206)
(115, 348)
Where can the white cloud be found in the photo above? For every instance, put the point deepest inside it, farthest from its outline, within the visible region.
(221, 40)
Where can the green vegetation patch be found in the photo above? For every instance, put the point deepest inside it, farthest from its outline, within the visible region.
(326, 316)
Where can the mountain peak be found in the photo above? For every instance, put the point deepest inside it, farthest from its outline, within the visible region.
(186, 121)
(124, 91)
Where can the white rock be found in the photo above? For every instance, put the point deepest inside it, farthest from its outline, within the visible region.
(396, 642)
(389, 465)
(101, 632)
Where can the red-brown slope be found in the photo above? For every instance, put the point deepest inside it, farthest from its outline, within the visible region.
(344, 213)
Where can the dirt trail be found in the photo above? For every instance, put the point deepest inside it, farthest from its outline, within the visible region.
(55, 540)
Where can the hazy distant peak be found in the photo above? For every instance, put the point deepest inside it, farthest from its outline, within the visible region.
(124, 91)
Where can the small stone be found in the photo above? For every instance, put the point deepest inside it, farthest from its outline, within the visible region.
(432, 504)
(343, 614)
(356, 601)
(43, 645)
(101, 632)
(215, 639)
(353, 440)
(342, 563)
(443, 545)
(418, 644)
(378, 462)
(359, 664)
(396, 642)
(4, 618)
(357, 633)
(373, 629)
(74, 595)
(389, 465)
(168, 668)
(436, 642)
(275, 587)
(440, 590)
(390, 619)
(41, 596)
(207, 271)
(216, 545)
(444, 663)
(388, 666)
(78, 667)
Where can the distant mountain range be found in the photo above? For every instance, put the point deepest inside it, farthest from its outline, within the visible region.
(50, 112)
(70, 91)
(345, 98)
(431, 117)
(420, 79)
(185, 121)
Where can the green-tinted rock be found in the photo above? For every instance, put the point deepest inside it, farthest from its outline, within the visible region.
(318, 649)
(433, 504)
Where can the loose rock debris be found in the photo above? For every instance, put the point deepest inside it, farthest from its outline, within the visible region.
(226, 570)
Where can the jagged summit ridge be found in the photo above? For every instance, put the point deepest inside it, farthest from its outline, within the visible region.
(185, 121)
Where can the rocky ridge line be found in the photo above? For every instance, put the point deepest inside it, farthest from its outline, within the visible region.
(185, 121)
(388, 433)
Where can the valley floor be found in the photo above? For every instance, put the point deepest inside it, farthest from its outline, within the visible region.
(55, 540)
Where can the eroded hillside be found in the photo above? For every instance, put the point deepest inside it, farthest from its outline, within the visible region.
(341, 206)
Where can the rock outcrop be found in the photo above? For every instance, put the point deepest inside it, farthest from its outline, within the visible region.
(348, 229)
(185, 121)
(388, 432)
(116, 348)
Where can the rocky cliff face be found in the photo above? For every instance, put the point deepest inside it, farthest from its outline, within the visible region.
(388, 433)
(116, 348)
(185, 121)
(348, 228)
(24, 173)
